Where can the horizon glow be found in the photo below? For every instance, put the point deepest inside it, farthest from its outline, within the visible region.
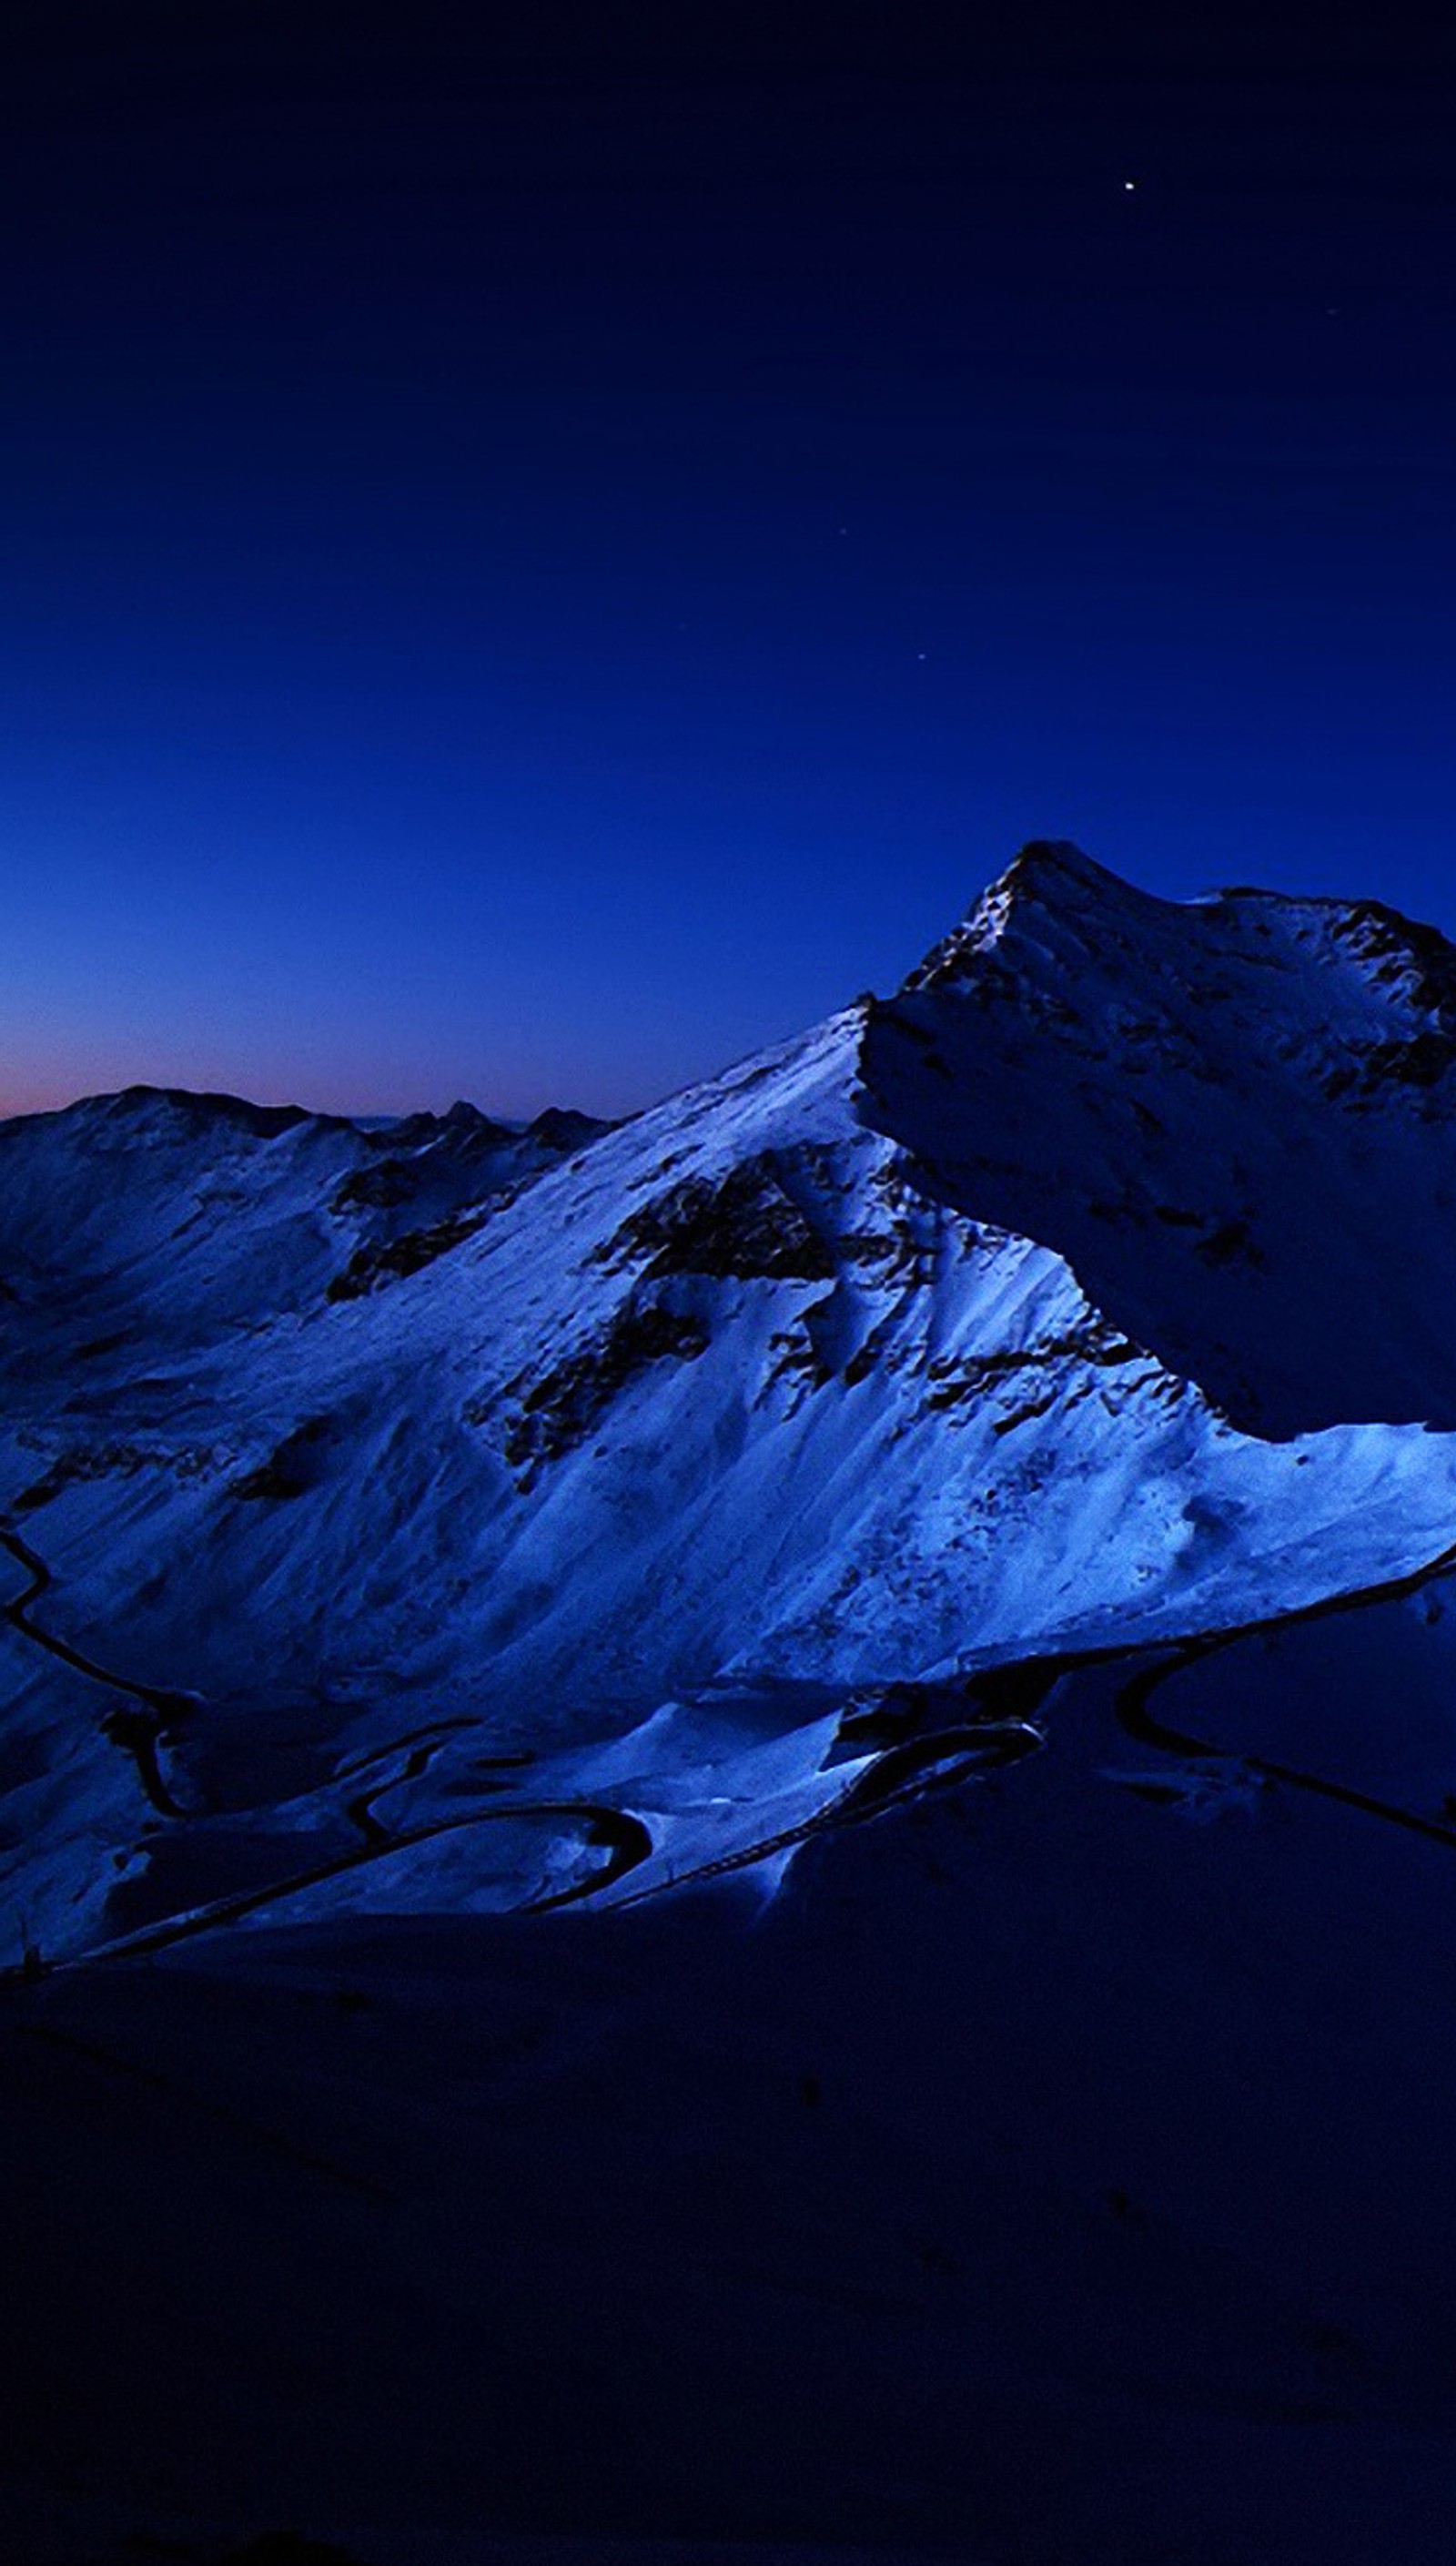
(539, 583)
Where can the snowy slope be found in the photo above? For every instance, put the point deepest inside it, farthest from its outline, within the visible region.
(651, 1459)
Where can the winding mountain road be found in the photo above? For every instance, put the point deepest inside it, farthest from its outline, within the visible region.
(1138, 1722)
(140, 1732)
(624, 1837)
(628, 1839)
(901, 1771)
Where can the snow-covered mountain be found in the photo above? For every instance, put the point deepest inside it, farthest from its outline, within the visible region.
(1089, 1290)
(1233, 1116)
(979, 1478)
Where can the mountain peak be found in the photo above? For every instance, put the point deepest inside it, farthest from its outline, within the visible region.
(1137, 1082)
(1060, 859)
(1050, 879)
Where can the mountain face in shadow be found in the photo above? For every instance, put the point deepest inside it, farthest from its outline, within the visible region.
(1235, 1118)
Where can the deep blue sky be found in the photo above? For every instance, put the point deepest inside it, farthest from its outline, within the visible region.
(537, 558)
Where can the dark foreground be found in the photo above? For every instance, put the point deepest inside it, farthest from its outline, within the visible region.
(1059, 2172)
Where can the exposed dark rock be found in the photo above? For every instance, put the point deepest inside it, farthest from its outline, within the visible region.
(559, 1410)
(95, 1461)
(958, 1380)
(796, 1355)
(292, 1468)
(742, 1226)
(1421, 1062)
(1418, 955)
(379, 1187)
(1232, 1243)
(388, 1260)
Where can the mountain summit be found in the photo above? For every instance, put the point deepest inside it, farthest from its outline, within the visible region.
(1235, 1117)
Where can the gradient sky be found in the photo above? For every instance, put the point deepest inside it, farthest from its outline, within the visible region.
(537, 558)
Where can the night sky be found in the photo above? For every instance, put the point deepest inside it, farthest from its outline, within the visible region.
(539, 555)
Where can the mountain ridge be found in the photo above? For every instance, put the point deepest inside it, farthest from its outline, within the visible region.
(975, 1324)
